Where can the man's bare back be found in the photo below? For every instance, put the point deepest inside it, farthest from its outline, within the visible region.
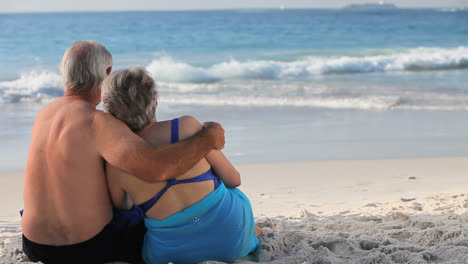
(65, 164)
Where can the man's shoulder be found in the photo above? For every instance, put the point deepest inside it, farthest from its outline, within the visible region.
(50, 107)
(62, 105)
(101, 116)
(107, 123)
(54, 110)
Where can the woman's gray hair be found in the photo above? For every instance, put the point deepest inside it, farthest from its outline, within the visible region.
(84, 65)
(130, 95)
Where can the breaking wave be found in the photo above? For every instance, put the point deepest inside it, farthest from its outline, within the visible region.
(420, 59)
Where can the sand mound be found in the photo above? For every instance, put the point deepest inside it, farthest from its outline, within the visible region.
(394, 238)
(11, 250)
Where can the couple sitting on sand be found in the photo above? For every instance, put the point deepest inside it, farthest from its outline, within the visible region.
(174, 188)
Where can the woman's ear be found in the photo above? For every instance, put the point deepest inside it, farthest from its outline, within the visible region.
(109, 70)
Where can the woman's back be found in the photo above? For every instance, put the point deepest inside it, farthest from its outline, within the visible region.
(190, 222)
(177, 197)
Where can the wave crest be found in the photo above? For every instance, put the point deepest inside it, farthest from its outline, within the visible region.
(420, 59)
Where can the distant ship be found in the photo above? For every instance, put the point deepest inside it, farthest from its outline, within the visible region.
(381, 6)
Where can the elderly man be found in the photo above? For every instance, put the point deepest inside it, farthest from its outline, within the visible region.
(67, 209)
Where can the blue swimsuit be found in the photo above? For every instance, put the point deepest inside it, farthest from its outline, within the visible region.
(220, 227)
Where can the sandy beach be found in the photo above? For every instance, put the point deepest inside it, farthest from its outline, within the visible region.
(371, 211)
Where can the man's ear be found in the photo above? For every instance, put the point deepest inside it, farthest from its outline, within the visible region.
(109, 70)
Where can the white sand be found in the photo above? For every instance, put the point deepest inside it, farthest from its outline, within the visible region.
(376, 211)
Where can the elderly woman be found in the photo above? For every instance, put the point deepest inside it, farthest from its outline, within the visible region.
(197, 217)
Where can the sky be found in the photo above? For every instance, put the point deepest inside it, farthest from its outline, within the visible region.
(112, 5)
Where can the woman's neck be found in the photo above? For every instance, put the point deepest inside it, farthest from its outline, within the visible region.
(148, 126)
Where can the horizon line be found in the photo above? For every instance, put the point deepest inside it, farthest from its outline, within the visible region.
(202, 9)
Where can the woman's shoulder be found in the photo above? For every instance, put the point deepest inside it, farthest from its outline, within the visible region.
(160, 132)
(157, 134)
(188, 126)
(189, 122)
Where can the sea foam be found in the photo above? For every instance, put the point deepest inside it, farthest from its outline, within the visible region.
(365, 103)
(270, 83)
(31, 86)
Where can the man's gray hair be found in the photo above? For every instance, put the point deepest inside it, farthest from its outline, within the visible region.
(84, 65)
(130, 95)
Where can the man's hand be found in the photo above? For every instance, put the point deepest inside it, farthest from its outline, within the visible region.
(215, 132)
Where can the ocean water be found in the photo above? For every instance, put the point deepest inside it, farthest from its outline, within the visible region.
(288, 85)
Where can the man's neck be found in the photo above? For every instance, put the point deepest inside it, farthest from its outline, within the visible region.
(89, 95)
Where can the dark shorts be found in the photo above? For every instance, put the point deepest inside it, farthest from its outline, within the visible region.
(113, 243)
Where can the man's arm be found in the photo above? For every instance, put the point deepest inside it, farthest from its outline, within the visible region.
(120, 147)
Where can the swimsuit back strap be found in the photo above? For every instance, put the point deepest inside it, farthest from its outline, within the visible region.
(174, 130)
(148, 204)
(209, 175)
